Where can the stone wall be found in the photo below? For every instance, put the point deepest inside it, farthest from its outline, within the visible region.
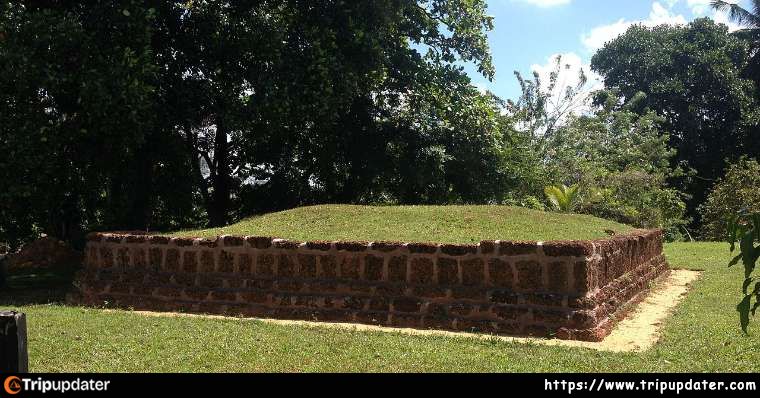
(568, 290)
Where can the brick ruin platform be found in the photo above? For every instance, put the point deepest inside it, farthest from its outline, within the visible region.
(567, 290)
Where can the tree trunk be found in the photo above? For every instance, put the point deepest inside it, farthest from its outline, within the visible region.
(196, 156)
(220, 197)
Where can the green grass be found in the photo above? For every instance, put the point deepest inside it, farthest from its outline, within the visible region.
(32, 285)
(444, 224)
(703, 335)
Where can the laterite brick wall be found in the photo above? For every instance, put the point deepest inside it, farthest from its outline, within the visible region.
(567, 290)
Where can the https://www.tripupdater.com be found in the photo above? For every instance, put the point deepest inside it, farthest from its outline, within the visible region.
(602, 385)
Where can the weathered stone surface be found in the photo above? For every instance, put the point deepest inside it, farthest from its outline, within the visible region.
(529, 275)
(373, 268)
(500, 273)
(448, 271)
(473, 272)
(421, 271)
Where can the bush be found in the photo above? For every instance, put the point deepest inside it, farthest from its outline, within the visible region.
(738, 190)
(639, 199)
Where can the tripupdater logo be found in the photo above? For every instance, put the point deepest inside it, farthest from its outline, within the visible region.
(12, 385)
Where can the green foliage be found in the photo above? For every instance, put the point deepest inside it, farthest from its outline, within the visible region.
(81, 143)
(738, 190)
(563, 198)
(623, 159)
(619, 157)
(744, 231)
(692, 77)
(129, 115)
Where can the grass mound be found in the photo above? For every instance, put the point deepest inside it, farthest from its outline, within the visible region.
(444, 224)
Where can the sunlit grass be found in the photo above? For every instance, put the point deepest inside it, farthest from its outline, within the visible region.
(445, 224)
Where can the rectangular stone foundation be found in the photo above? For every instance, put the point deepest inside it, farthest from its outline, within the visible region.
(567, 290)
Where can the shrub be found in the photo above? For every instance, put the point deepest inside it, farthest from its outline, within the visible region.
(738, 190)
(562, 198)
(639, 199)
(744, 232)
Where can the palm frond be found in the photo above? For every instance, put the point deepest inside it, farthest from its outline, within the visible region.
(562, 198)
(738, 14)
(554, 195)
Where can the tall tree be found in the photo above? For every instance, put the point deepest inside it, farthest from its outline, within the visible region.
(691, 76)
(77, 97)
(134, 115)
(299, 100)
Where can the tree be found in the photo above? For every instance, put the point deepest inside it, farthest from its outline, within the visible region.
(738, 190)
(544, 106)
(351, 107)
(143, 115)
(81, 148)
(531, 124)
(691, 76)
(615, 152)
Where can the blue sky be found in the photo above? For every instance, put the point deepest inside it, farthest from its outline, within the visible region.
(530, 33)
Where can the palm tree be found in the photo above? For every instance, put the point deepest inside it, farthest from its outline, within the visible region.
(749, 20)
(562, 198)
(738, 14)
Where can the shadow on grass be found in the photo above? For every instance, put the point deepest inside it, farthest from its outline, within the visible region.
(36, 286)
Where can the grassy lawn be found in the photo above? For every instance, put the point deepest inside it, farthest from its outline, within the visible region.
(444, 224)
(702, 336)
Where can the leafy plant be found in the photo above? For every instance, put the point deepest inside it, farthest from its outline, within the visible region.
(616, 152)
(744, 230)
(563, 198)
(737, 191)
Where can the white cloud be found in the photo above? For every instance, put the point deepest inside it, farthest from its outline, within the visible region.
(545, 3)
(569, 76)
(699, 7)
(659, 15)
(571, 65)
(722, 17)
(703, 8)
